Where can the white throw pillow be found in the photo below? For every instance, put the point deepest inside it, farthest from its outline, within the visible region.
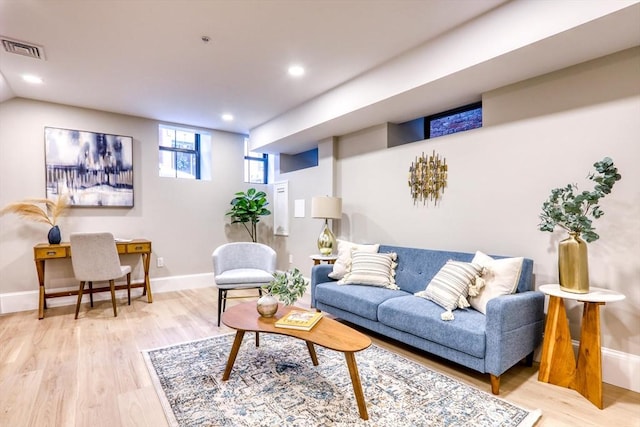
(372, 269)
(450, 286)
(501, 278)
(341, 266)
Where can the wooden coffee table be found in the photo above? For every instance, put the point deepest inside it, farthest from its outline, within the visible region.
(327, 333)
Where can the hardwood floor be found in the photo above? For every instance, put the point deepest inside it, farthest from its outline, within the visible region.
(89, 372)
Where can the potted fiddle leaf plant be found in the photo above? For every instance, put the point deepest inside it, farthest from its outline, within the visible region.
(574, 212)
(41, 210)
(247, 208)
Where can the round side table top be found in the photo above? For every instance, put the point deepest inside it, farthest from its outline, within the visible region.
(594, 294)
(324, 257)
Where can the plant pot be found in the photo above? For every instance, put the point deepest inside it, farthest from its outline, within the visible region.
(573, 264)
(54, 235)
(267, 305)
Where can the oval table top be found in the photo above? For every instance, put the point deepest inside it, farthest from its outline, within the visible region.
(327, 332)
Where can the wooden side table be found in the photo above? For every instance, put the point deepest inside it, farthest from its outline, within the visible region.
(558, 364)
(329, 259)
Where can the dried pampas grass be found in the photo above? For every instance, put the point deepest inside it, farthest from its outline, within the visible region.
(31, 209)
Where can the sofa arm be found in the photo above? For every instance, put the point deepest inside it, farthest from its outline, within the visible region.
(319, 274)
(513, 330)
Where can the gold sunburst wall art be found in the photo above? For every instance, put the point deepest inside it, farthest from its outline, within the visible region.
(428, 178)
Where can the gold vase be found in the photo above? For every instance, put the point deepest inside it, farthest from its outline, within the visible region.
(573, 264)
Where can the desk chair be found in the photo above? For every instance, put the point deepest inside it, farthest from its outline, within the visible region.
(95, 259)
(241, 265)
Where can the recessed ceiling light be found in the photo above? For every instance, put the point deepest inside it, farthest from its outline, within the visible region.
(29, 78)
(296, 70)
(227, 117)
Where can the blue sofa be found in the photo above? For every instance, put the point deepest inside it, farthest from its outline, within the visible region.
(510, 331)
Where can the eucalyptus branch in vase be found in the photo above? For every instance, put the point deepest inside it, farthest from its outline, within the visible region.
(575, 212)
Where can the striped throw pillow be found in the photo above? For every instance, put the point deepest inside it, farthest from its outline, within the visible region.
(450, 287)
(372, 269)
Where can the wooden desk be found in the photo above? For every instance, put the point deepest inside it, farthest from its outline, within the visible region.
(558, 364)
(45, 251)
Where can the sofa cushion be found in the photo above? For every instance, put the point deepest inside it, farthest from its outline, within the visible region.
(501, 277)
(421, 317)
(450, 287)
(416, 267)
(371, 269)
(357, 299)
(341, 266)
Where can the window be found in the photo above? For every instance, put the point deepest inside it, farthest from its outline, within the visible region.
(452, 121)
(255, 165)
(182, 152)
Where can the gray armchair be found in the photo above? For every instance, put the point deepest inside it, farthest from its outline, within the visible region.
(241, 265)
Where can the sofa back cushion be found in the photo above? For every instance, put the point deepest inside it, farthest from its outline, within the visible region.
(416, 267)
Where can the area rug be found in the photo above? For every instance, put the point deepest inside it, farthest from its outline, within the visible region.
(276, 384)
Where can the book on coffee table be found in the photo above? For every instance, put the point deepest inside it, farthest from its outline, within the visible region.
(298, 319)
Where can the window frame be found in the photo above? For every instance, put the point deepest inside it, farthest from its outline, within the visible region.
(451, 112)
(248, 158)
(196, 152)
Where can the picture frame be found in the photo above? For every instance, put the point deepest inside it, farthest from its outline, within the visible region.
(92, 169)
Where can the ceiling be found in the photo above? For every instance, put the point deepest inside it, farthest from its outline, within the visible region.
(147, 58)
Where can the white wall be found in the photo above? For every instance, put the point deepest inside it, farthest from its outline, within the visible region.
(183, 218)
(304, 184)
(539, 134)
(499, 176)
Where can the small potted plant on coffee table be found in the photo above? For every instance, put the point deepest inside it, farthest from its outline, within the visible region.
(287, 286)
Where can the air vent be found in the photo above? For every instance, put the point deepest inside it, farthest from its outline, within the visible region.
(22, 48)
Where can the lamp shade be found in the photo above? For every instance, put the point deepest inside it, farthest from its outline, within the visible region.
(326, 207)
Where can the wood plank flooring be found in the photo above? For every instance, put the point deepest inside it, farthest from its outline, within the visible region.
(89, 372)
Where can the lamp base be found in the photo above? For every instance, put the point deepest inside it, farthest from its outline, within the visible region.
(326, 240)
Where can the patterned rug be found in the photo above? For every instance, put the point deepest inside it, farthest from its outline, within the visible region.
(276, 384)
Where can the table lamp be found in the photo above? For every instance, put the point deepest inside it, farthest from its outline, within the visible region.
(327, 208)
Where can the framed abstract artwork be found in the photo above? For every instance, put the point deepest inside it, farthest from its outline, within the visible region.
(92, 169)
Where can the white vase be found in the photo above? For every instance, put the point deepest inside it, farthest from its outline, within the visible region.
(267, 305)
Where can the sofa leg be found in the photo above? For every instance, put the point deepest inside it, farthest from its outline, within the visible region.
(495, 384)
(528, 361)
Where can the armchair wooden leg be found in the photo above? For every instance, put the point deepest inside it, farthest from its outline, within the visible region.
(79, 298)
(112, 285)
(495, 384)
(129, 288)
(91, 293)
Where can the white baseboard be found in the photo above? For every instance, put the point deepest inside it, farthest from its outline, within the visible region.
(618, 368)
(28, 300)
